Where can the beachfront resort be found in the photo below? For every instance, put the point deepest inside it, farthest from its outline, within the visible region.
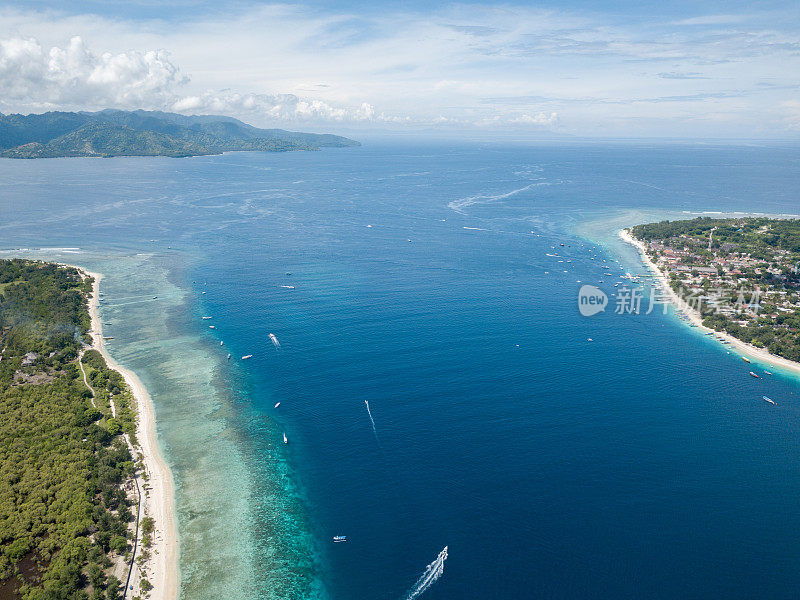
(740, 274)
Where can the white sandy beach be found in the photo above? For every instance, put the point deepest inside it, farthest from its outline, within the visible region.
(747, 350)
(158, 501)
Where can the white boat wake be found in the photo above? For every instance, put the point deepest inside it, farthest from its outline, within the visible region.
(429, 577)
(275, 341)
(371, 420)
(462, 203)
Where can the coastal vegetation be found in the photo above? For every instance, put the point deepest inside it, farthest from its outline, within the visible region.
(741, 274)
(64, 460)
(145, 133)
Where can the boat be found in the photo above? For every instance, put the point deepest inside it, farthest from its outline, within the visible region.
(155, 297)
(211, 327)
(768, 372)
(287, 287)
(229, 356)
(745, 359)
(108, 338)
(770, 400)
(285, 439)
(338, 539)
(220, 342)
(246, 356)
(754, 375)
(277, 404)
(206, 318)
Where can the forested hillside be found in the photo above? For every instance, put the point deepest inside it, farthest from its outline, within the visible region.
(145, 133)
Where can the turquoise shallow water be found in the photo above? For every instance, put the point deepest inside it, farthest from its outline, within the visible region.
(642, 464)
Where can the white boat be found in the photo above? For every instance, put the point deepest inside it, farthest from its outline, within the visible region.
(220, 342)
(212, 327)
(206, 318)
(246, 356)
(338, 539)
(277, 404)
(770, 400)
(229, 356)
(287, 287)
(285, 439)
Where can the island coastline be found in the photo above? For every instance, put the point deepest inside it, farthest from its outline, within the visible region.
(159, 501)
(747, 350)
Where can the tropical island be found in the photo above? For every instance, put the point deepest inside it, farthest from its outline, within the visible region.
(738, 275)
(111, 133)
(82, 494)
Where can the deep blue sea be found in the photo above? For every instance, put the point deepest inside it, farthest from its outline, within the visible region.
(415, 276)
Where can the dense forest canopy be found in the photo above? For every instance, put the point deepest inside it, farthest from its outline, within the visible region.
(747, 232)
(64, 514)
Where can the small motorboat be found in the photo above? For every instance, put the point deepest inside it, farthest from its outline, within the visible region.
(277, 404)
(246, 356)
(770, 400)
(285, 439)
(754, 375)
(338, 539)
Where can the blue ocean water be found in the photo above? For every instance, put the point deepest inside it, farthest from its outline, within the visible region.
(416, 277)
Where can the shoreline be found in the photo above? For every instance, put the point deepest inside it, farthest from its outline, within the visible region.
(159, 501)
(748, 350)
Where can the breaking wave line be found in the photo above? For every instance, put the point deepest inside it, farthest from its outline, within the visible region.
(429, 577)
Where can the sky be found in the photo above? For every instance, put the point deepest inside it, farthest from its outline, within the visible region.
(571, 68)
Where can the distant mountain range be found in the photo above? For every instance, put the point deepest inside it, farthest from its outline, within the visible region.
(145, 133)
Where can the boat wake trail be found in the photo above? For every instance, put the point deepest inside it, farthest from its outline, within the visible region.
(371, 420)
(275, 341)
(462, 203)
(429, 577)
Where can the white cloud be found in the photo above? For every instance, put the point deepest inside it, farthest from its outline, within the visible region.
(74, 76)
(791, 112)
(537, 119)
(454, 65)
(275, 106)
(712, 20)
